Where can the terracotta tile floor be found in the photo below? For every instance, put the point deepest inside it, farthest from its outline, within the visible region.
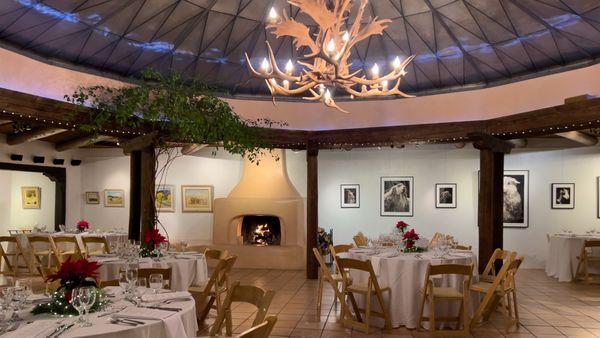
(547, 308)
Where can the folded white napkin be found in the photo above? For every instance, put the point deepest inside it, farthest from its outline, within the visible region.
(186, 257)
(164, 296)
(108, 259)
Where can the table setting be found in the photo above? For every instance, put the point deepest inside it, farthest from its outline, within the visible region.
(403, 267)
(563, 250)
(78, 308)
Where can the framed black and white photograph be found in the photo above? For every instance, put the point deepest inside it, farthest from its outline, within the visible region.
(350, 195)
(445, 195)
(397, 193)
(563, 195)
(515, 210)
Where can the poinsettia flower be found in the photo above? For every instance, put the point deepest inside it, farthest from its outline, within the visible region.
(75, 272)
(411, 235)
(154, 236)
(401, 225)
(83, 224)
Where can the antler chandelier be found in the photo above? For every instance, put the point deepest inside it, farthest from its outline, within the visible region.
(326, 65)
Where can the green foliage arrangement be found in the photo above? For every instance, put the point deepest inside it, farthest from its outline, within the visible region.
(178, 111)
(59, 304)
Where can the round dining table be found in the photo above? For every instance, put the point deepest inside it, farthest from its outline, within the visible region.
(187, 269)
(563, 250)
(156, 323)
(404, 274)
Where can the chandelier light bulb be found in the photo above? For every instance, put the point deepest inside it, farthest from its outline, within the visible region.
(273, 14)
(331, 46)
(327, 95)
(384, 84)
(265, 65)
(346, 36)
(289, 67)
(396, 63)
(375, 71)
(286, 83)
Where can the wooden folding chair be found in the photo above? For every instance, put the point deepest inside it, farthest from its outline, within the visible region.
(165, 272)
(462, 247)
(335, 280)
(215, 254)
(212, 290)
(360, 239)
(489, 273)
(66, 247)
(111, 282)
(246, 294)
(585, 258)
(260, 331)
(494, 292)
(432, 294)
(95, 245)
(45, 257)
(11, 256)
(368, 289)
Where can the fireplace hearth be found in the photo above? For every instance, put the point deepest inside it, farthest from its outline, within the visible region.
(261, 230)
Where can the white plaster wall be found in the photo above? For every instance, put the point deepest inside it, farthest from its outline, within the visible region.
(28, 150)
(446, 165)
(26, 218)
(5, 201)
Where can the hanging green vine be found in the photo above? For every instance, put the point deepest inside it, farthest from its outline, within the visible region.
(178, 111)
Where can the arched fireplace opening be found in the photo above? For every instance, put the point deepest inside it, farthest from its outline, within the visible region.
(260, 230)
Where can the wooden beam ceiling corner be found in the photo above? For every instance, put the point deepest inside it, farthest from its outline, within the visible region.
(192, 148)
(32, 135)
(485, 141)
(579, 137)
(80, 142)
(519, 142)
(139, 143)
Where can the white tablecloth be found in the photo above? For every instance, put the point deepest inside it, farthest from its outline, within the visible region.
(405, 275)
(177, 325)
(561, 261)
(185, 271)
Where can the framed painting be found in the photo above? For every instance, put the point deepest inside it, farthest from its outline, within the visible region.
(114, 198)
(197, 198)
(445, 195)
(31, 197)
(515, 210)
(397, 193)
(563, 195)
(92, 197)
(164, 198)
(350, 195)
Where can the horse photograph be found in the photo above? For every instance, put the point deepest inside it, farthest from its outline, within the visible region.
(397, 196)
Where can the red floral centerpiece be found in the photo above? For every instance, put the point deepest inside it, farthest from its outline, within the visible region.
(83, 225)
(72, 274)
(401, 226)
(409, 239)
(152, 238)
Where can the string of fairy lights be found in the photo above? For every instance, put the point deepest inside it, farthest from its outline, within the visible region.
(326, 144)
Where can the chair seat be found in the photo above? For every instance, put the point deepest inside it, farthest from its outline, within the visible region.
(44, 252)
(364, 288)
(483, 287)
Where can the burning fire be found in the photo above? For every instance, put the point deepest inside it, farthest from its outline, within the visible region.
(261, 233)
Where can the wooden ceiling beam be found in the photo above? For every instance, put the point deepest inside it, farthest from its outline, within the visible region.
(81, 142)
(192, 148)
(519, 142)
(579, 137)
(32, 135)
(486, 141)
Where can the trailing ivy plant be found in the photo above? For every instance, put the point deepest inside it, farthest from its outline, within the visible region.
(176, 111)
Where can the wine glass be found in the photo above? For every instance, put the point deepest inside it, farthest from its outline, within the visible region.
(132, 276)
(183, 245)
(156, 282)
(123, 283)
(82, 299)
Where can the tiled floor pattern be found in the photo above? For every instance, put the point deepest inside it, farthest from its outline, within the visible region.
(547, 308)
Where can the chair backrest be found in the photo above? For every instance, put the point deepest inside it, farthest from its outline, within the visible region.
(462, 247)
(346, 264)
(325, 272)
(71, 241)
(489, 273)
(101, 240)
(10, 240)
(465, 270)
(594, 243)
(34, 240)
(166, 273)
(215, 254)
(342, 248)
(223, 279)
(334, 253)
(262, 330)
(360, 239)
(110, 282)
(244, 294)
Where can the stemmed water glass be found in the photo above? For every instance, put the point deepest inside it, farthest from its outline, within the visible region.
(82, 299)
(132, 275)
(123, 282)
(156, 282)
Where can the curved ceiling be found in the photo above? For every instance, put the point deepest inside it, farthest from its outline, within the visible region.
(457, 43)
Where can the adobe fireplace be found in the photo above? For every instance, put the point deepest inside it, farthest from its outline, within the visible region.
(261, 230)
(262, 220)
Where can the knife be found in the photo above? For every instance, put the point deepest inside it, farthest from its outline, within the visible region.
(174, 309)
(63, 329)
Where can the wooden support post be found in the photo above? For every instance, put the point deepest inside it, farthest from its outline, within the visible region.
(147, 188)
(135, 169)
(491, 194)
(312, 210)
